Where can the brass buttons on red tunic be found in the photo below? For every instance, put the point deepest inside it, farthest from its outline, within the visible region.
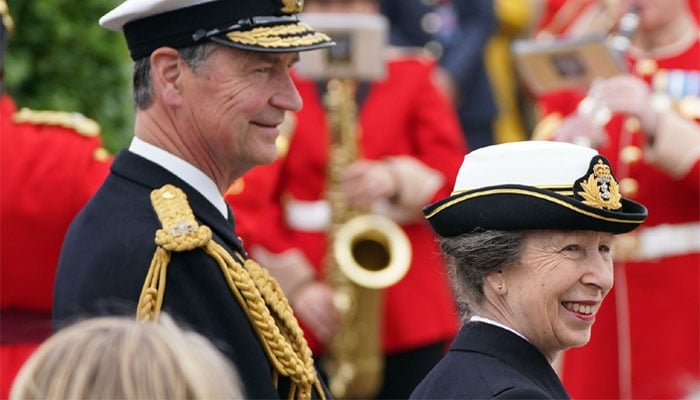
(629, 187)
(646, 67)
(630, 154)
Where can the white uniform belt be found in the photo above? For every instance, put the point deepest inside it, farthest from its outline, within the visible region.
(307, 216)
(665, 241)
(315, 216)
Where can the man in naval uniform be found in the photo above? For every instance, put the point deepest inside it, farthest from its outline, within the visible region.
(211, 86)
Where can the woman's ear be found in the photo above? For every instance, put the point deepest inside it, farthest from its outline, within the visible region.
(167, 75)
(497, 282)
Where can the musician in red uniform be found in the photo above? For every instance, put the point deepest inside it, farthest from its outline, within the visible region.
(411, 147)
(50, 164)
(647, 341)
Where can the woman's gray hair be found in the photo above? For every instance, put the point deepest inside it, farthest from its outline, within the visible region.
(194, 56)
(471, 257)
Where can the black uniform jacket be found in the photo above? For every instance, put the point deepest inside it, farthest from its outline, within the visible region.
(489, 362)
(109, 247)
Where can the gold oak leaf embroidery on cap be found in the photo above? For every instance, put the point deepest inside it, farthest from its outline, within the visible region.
(292, 6)
(600, 188)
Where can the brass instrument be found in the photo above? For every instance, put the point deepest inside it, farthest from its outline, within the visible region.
(367, 252)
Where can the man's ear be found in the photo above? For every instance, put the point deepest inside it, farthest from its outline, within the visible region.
(167, 75)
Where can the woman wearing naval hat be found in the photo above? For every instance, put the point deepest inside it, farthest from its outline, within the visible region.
(528, 234)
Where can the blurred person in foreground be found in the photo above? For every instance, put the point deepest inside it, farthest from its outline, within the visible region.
(51, 162)
(528, 234)
(647, 123)
(121, 358)
(409, 146)
(211, 85)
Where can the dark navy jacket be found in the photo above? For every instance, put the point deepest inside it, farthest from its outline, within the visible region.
(109, 247)
(489, 362)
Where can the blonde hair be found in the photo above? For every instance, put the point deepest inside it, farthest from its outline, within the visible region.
(120, 358)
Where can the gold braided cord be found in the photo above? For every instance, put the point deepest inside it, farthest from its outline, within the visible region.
(281, 336)
(151, 299)
(274, 296)
(259, 295)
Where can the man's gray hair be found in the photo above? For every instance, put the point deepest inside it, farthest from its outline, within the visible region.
(194, 56)
(471, 257)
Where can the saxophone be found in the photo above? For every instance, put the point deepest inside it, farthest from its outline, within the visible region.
(366, 253)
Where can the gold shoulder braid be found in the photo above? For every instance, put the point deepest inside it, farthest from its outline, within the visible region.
(258, 294)
(76, 121)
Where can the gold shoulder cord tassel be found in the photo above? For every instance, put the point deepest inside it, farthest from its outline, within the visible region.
(258, 294)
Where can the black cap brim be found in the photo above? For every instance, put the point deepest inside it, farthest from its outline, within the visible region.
(518, 207)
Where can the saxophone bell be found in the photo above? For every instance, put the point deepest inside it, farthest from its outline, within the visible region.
(372, 251)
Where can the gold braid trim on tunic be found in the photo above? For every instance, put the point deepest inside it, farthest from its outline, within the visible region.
(257, 292)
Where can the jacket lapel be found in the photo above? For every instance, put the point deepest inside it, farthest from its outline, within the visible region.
(512, 350)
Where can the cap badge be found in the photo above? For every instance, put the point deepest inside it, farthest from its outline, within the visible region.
(292, 6)
(600, 189)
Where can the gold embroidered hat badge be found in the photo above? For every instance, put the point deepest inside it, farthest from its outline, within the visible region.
(292, 6)
(599, 187)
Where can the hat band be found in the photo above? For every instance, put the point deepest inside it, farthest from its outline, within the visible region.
(524, 192)
(244, 25)
(563, 190)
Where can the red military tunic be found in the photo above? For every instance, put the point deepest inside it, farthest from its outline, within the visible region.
(402, 115)
(646, 339)
(571, 17)
(50, 165)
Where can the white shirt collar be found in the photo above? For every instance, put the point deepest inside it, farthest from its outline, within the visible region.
(183, 170)
(476, 318)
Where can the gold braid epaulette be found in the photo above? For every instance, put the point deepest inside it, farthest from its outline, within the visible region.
(75, 121)
(257, 292)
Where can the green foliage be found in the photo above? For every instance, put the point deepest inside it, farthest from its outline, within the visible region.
(60, 58)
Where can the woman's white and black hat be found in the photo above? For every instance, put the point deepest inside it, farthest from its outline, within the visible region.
(256, 25)
(534, 185)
